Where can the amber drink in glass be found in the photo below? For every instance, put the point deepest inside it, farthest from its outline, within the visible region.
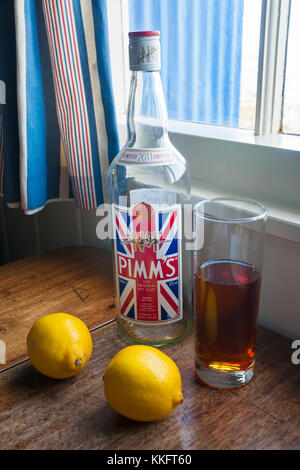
(227, 275)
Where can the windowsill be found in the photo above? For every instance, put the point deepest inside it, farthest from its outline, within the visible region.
(265, 168)
(228, 134)
(283, 222)
(232, 134)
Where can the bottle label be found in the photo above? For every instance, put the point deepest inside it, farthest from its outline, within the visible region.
(148, 156)
(144, 53)
(148, 262)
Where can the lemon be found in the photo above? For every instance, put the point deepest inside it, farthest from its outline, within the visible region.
(59, 345)
(142, 383)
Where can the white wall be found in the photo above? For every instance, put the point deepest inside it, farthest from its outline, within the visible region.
(280, 302)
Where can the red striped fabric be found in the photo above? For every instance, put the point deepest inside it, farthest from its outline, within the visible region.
(71, 100)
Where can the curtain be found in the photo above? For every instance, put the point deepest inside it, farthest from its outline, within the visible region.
(59, 131)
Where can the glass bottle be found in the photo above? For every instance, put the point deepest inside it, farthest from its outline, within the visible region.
(149, 183)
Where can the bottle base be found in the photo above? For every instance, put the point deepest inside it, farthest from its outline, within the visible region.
(223, 380)
(156, 336)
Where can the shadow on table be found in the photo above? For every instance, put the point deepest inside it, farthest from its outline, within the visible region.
(26, 381)
(104, 428)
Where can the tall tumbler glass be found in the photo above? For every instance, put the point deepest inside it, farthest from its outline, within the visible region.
(227, 272)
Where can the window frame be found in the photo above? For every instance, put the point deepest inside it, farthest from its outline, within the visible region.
(274, 29)
(263, 164)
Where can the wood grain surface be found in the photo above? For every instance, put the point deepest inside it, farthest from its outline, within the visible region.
(75, 280)
(40, 413)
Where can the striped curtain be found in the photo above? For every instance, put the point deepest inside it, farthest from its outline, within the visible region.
(58, 133)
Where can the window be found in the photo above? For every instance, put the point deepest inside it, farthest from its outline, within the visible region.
(209, 56)
(254, 158)
(291, 110)
(250, 49)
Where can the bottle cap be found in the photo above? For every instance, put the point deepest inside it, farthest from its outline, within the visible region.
(144, 50)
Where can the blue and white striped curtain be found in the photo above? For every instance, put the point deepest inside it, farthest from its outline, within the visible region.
(59, 127)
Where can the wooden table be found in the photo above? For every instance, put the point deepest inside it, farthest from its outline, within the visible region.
(40, 413)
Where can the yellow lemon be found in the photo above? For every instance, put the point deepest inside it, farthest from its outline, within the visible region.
(59, 345)
(142, 383)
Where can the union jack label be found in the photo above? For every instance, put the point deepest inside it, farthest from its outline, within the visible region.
(148, 262)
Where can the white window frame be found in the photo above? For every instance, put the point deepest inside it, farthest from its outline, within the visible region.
(263, 164)
(271, 66)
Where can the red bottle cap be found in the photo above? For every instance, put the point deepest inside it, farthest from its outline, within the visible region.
(143, 33)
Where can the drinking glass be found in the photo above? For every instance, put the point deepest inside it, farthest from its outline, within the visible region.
(228, 260)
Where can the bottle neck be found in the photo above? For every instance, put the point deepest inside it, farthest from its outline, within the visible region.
(147, 113)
